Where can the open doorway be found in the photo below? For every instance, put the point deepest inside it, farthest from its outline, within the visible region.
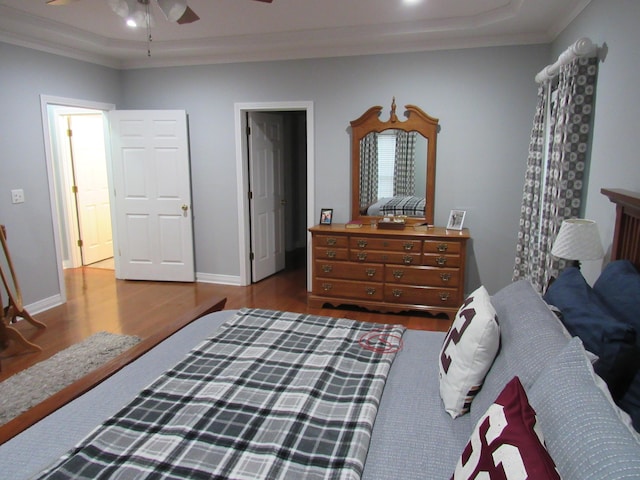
(81, 166)
(69, 216)
(277, 167)
(77, 137)
(298, 169)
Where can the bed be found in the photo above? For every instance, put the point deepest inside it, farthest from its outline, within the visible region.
(410, 206)
(403, 429)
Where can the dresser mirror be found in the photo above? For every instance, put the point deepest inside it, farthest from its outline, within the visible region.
(393, 165)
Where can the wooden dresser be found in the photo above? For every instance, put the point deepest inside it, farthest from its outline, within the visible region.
(416, 268)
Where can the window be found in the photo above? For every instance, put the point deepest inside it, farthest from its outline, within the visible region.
(386, 162)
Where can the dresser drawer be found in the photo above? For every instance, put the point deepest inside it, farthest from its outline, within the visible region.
(444, 297)
(349, 271)
(441, 260)
(378, 256)
(348, 289)
(330, 253)
(387, 244)
(435, 246)
(338, 241)
(437, 277)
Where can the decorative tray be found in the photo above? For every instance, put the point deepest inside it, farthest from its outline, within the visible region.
(393, 225)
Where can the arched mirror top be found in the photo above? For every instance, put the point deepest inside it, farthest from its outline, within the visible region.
(393, 164)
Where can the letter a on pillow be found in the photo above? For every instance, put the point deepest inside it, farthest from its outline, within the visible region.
(468, 352)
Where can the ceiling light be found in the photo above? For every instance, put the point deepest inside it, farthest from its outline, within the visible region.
(173, 9)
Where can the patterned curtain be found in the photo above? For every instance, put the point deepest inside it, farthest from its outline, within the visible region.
(404, 167)
(558, 192)
(368, 170)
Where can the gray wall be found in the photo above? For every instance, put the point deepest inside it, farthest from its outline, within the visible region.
(484, 99)
(25, 75)
(615, 157)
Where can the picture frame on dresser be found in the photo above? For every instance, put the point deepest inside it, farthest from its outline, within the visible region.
(456, 219)
(326, 216)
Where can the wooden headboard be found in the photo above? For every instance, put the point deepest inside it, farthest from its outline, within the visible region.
(626, 235)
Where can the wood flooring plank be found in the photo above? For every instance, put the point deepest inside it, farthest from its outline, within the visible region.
(96, 301)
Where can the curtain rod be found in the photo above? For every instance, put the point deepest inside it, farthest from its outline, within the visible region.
(584, 47)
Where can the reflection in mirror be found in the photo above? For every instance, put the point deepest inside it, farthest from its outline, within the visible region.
(395, 160)
(393, 172)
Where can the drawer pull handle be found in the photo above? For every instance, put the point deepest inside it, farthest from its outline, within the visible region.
(370, 272)
(370, 291)
(397, 274)
(327, 286)
(408, 246)
(442, 247)
(332, 241)
(362, 243)
(441, 261)
(362, 256)
(385, 244)
(396, 292)
(327, 268)
(407, 259)
(445, 277)
(331, 253)
(444, 296)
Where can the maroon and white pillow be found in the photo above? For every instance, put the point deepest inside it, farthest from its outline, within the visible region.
(468, 352)
(507, 442)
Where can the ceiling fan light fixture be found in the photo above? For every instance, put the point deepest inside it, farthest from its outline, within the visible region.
(173, 9)
(121, 7)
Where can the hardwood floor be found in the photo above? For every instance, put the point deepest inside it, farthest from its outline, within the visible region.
(96, 301)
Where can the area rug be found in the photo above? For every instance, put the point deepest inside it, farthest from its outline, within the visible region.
(25, 389)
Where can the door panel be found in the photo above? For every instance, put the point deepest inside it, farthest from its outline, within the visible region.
(153, 195)
(90, 178)
(268, 196)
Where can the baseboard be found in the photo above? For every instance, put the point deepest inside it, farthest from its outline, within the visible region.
(215, 278)
(42, 305)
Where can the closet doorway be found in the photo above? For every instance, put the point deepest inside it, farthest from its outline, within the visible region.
(294, 174)
(83, 162)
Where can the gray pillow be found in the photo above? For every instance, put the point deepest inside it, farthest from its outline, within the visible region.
(530, 335)
(583, 431)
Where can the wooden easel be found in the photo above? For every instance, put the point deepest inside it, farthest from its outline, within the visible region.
(14, 306)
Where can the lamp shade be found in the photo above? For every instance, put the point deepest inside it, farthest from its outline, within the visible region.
(578, 239)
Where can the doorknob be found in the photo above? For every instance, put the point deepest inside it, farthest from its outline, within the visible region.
(283, 202)
(185, 207)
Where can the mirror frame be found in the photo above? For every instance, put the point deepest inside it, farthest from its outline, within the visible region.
(416, 121)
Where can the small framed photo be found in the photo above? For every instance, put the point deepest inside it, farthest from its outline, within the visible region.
(456, 219)
(326, 215)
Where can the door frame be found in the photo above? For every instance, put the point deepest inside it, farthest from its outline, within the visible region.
(45, 102)
(242, 172)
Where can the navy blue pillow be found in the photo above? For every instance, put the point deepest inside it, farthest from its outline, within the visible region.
(586, 317)
(618, 287)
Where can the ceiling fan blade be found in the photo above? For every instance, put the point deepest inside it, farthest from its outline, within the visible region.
(265, 1)
(189, 16)
(60, 2)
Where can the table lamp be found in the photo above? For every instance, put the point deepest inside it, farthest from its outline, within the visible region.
(578, 239)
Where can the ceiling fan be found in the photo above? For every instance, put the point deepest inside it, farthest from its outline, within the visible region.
(175, 10)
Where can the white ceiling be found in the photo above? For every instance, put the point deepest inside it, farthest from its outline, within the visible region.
(248, 30)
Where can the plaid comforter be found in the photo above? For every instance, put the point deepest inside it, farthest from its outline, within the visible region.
(412, 206)
(271, 395)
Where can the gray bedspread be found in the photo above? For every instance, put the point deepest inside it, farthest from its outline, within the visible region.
(270, 395)
(398, 447)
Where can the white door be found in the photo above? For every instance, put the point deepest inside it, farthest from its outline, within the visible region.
(152, 183)
(267, 194)
(86, 133)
